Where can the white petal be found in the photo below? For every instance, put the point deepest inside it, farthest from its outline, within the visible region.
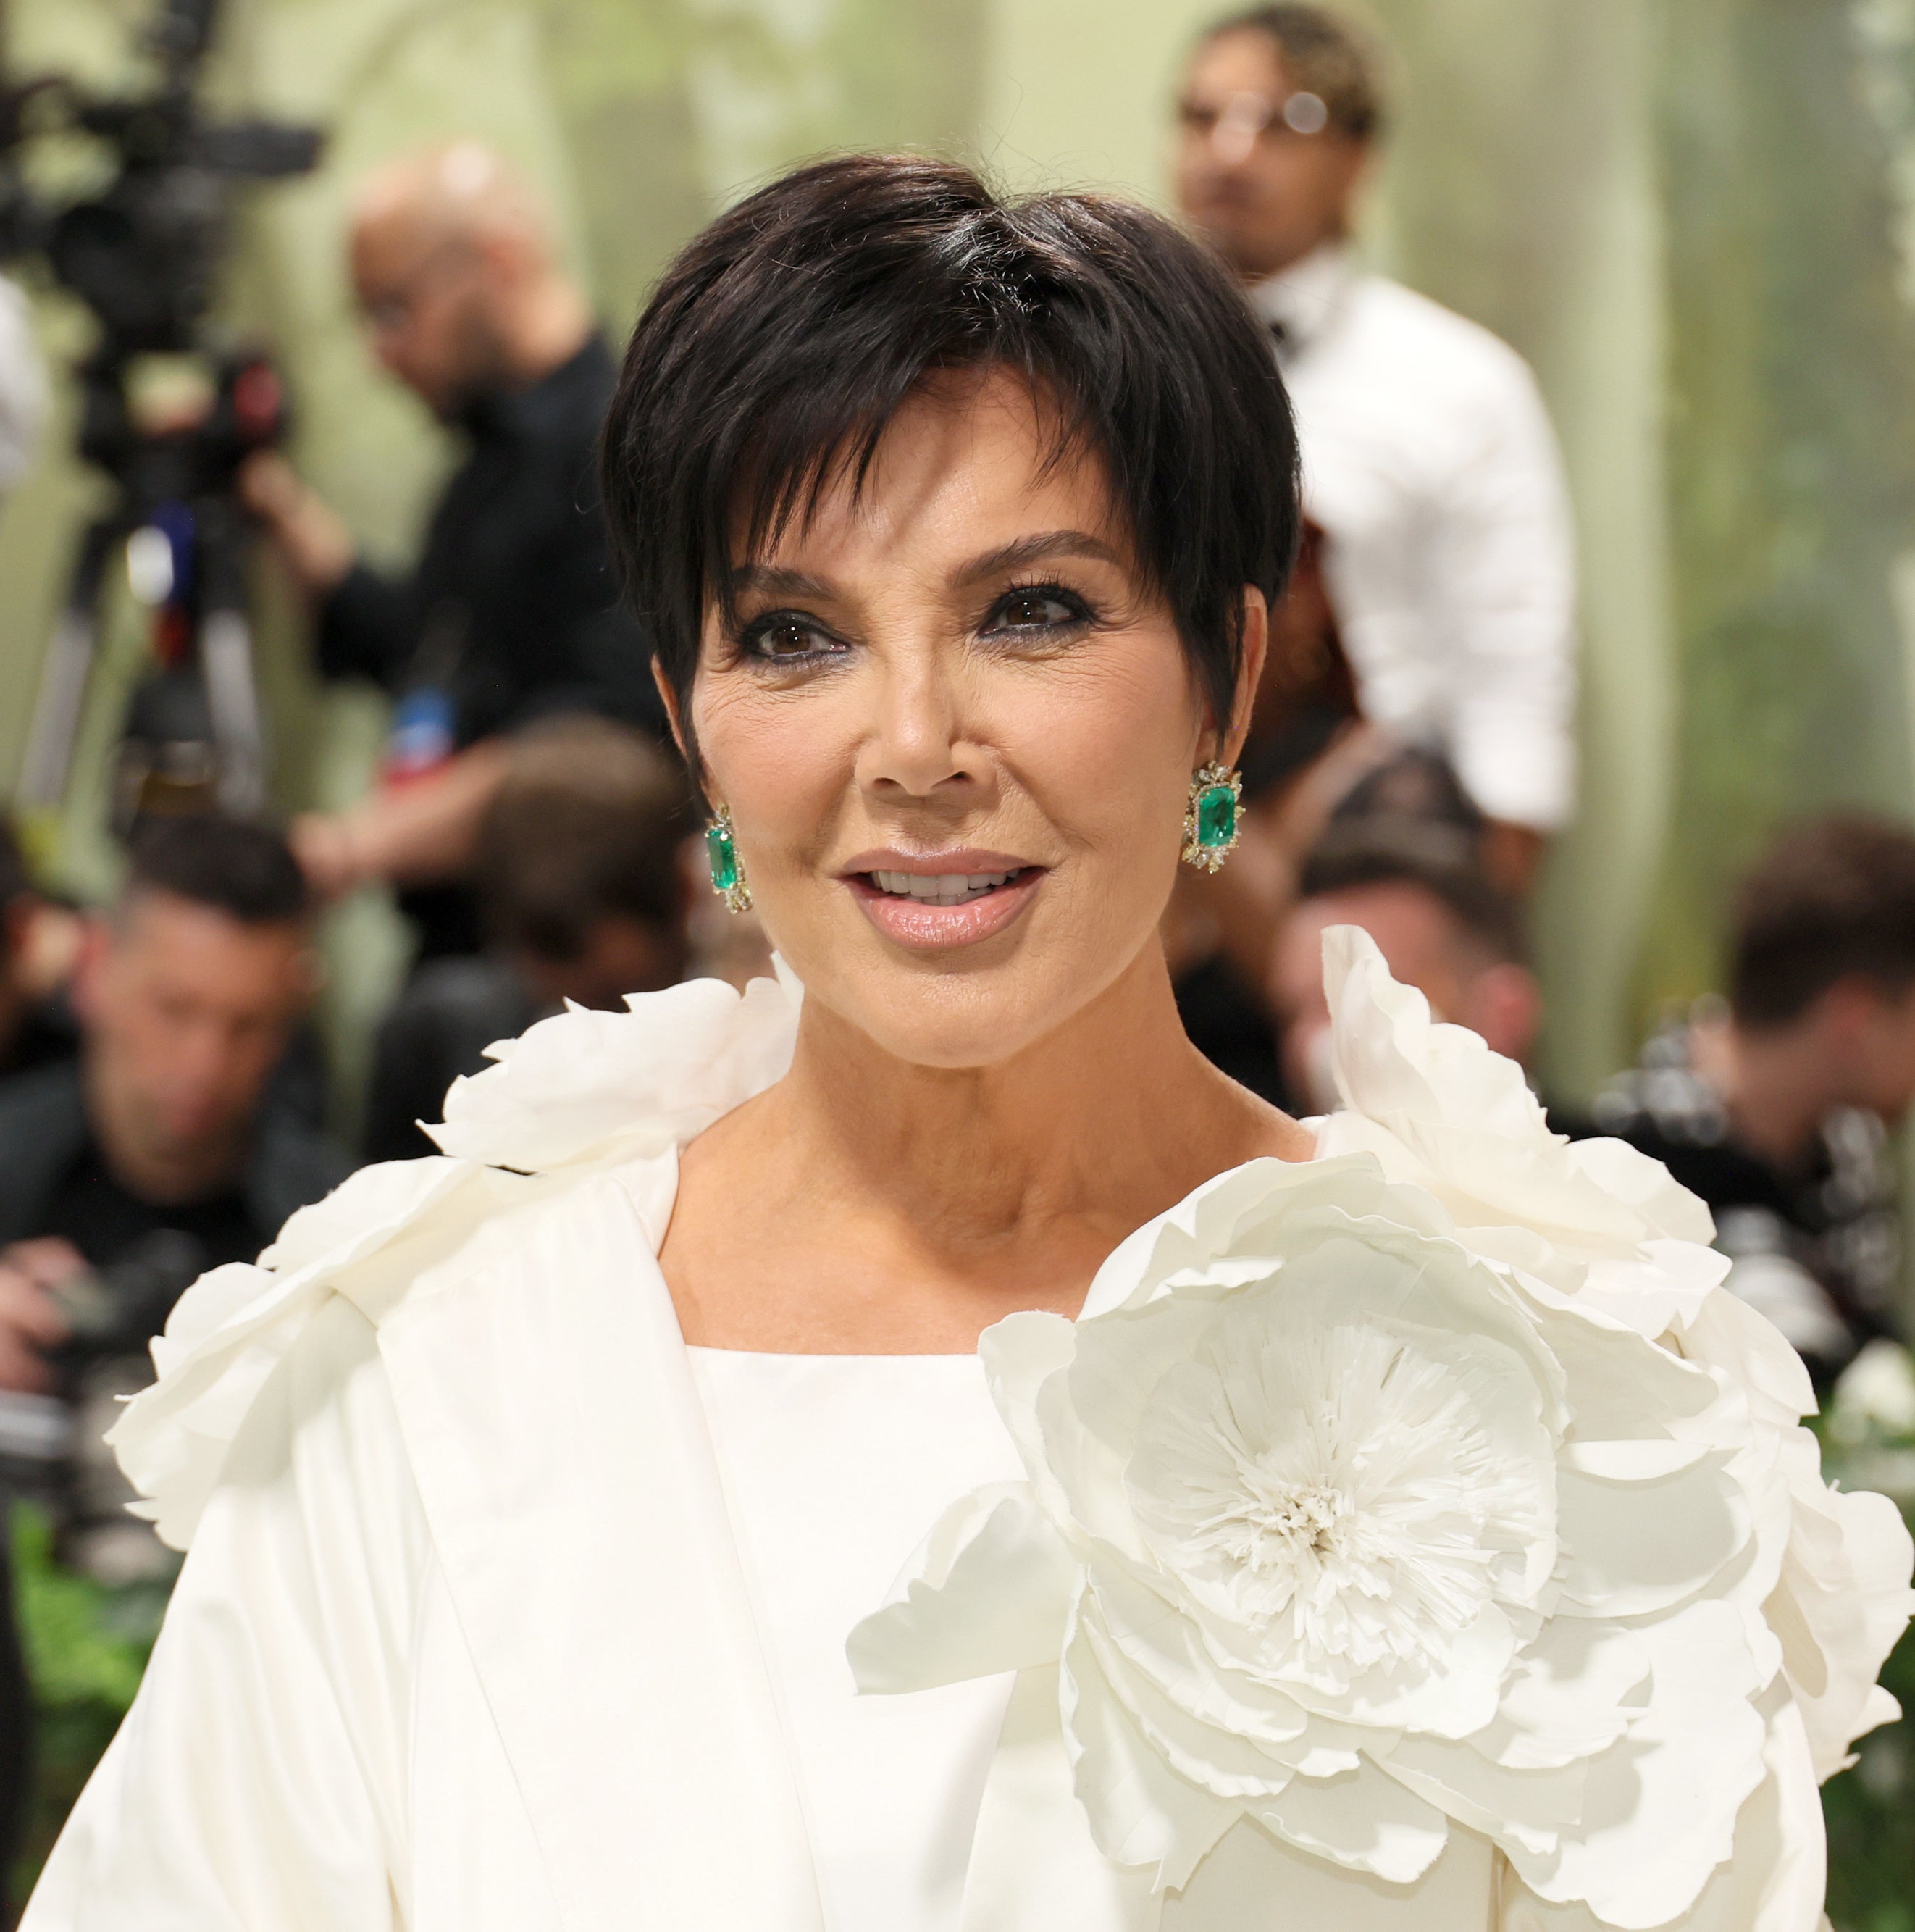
(1728, 1334)
(1529, 1809)
(1646, 1459)
(1155, 1635)
(1570, 1696)
(1842, 1602)
(1227, 1764)
(1363, 1820)
(1020, 1355)
(988, 1590)
(586, 1081)
(1141, 1812)
(1774, 1879)
(1647, 1185)
(1660, 1810)
(1634, 1548)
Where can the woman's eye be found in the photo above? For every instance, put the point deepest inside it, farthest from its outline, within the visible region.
(1036, 610)
(781, 640)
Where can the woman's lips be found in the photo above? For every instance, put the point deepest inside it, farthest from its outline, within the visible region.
(927, 927)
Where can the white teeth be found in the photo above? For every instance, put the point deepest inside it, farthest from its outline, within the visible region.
(939, 888)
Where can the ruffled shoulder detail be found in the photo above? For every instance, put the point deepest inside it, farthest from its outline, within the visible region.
(1595, 1218)
(1605, 1230)
(585, 1085)
(575, 1095)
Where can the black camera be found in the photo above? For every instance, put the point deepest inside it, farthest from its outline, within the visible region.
(144, 256)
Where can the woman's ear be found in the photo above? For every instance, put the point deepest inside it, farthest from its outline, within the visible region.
(669, 699)
(1256, 644)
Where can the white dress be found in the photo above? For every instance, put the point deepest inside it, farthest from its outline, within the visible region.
(504, 1612)
(833, 1467)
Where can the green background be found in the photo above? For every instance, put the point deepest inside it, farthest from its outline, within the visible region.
(1694, 217)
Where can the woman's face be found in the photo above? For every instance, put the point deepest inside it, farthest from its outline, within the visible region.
(956, 733)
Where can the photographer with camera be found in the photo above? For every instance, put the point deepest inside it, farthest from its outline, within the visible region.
(164, 1148)
(511, 613)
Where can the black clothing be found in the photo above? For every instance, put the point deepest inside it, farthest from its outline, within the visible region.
(1818, 1250)
(51, 1169)
(46, 1032)
(451, 1011)
(89, 1208)
(1231, 1030)
(512, 612)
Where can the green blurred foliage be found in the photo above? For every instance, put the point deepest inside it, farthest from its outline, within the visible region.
(86, 1647)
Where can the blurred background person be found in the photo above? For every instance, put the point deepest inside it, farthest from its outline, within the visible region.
(1429, 466)
(510, 613)
(1775, 1106)
(584, 899)
(1441, 925)
(158, 1151)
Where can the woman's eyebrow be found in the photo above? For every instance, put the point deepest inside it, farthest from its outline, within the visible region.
(1039, 547)
(771, 579)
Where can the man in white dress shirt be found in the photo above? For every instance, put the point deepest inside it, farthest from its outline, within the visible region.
(1428, 461)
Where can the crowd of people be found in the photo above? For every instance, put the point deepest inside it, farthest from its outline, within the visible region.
(164, 1103)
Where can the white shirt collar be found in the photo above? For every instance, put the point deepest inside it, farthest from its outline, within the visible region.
(1303, 299)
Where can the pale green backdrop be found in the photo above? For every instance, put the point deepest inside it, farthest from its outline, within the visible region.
(1694, 216)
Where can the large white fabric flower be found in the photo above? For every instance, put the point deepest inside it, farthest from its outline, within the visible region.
(1367, 1512)
(1602, 1222)
(1332, 1527)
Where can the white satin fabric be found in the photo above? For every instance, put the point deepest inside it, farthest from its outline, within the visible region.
(464, 1643)
(832, 1467)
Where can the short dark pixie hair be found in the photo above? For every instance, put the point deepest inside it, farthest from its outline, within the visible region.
(1323, 54)
(1833, 899)
(782, 340)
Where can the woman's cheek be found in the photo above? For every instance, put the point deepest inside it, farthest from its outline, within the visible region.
(773, 757)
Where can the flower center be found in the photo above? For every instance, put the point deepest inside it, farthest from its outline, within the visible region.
(1343, 1493)
(1277, 1525)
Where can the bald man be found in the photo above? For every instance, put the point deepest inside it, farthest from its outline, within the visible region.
(511, 613)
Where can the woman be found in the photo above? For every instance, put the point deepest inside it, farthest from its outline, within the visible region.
(1391, 1527)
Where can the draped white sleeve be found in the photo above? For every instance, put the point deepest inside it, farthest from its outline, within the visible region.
(244, 1792)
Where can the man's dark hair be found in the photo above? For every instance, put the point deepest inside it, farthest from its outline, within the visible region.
(244, 870)
(1833, 898)
(783, 339)
(585, 826)
(1390, 851)
(1323, 54)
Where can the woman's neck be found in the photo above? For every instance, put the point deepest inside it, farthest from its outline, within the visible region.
(970, 1191)
(1115, 1107)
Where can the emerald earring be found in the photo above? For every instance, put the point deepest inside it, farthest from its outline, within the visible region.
(1211, 818)
(728, 879)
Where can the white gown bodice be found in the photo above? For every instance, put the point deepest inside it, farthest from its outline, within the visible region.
(505, 1612)
(833, 1467)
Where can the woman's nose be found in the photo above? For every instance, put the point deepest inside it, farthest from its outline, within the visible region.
(916, 743)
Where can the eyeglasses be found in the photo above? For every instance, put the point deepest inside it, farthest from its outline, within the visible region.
(394, 310)
(1234, 129)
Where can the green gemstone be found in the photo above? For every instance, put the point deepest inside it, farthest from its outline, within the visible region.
(723, 856)
(1216, 815)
